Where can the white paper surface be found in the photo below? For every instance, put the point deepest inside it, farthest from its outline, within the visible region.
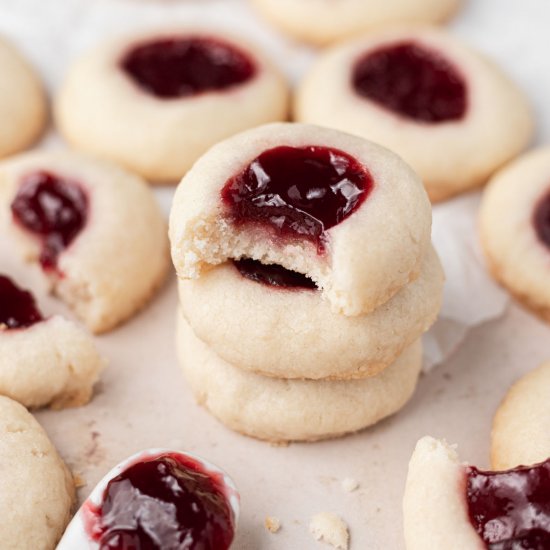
(143, 401)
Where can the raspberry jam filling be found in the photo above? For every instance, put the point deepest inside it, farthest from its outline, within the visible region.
(163, 503)
(273, 275)
(171, 68)
(53, 208)
(511, 510)
(298, 192)
(17, 306)
(413, 81)
(541, 219)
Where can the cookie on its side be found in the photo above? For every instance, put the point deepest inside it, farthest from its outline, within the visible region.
(23, 109)
(154, 102)
(95, 229)
(323, 21)
(514, 223)
(36, 488)
(521, 427)
(291, 332)
(449, 112)
(293, 410)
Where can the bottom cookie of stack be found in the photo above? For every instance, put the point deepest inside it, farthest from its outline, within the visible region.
(280, 410)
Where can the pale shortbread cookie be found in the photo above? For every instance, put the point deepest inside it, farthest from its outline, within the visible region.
(517, 256)
(23, 109)
(119, 258)
(521, 427)
(323, 21)
(101, 110)
(292, 333)
(369, 256)
(450, 156)
(36, 488)
(293, 410)
(52, 362)
(435, 510)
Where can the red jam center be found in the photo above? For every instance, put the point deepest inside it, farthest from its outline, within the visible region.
(412, 81)
(541, 220)
(165, 503)
(298, 192)
(17, 306)
(273, 275)
(180, 67)
(511, 510)
(53, 208)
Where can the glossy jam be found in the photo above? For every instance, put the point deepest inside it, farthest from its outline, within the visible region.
(298, 192)
(412, 81)
(172, 68)
(541, 220)
(53, 208)
(273, 275)
(164, 503)
(511, 510)
(17, 306)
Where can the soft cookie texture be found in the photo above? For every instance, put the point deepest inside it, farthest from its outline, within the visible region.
(36, 488)
(455, 140)
(23, 110)
(293, 410)
(292, 333)
(119, 255)
(102, 110)
(514, 233)
(323, 21)
(52, 362)
(521, 434)
(435, 510)
(368, 256)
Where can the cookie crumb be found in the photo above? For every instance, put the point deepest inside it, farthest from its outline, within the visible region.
(330, 528)
(79, 481)
(272, 524)
(349, 484)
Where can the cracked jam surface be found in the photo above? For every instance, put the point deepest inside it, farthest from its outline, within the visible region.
(53, 208)
(297, 192)
(166, 502)
(273, 275)
(171, 68)
(17, 306)
(510, 510)
(412, 81)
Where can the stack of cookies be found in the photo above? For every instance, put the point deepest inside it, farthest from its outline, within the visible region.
(306, 279)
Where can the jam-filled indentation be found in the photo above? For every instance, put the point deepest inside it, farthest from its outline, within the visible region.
(52, 207)
(178, 67)
(541, 219)
(273, 275)
(510, 510)
(164, 503)
(412, 81)
(298, 192)
(18, 308)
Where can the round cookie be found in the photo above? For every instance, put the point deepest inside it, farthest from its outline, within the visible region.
(520, 433)
(518, 251)
(448, 111)
(95, 229)
(43, 361)
(23, 109)
(156, 101)
(451, 505)
(292, 333)
(323, 21)
(293, 410)
(343, 211)
(36, 488)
